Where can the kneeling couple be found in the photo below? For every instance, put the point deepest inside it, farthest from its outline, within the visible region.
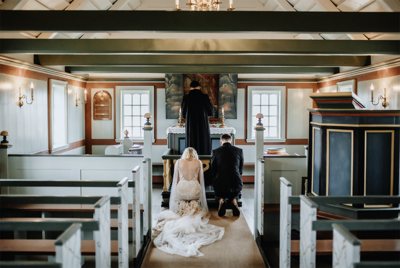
(184, 227)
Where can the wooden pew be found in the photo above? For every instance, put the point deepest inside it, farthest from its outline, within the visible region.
(102, 247)
(346, 247)
(308, 214)
(120, 205)
(66, 247)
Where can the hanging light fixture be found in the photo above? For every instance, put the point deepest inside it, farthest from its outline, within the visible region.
(204, 5)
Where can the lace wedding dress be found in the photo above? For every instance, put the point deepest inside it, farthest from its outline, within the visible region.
(184, 227)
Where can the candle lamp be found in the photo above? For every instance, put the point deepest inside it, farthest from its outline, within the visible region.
(230, 6)
(177, 6)
(180, 118)
(77, 100)
(4, 133)
(380, 97)
(223, 119)
(21, 102)
(147, 116)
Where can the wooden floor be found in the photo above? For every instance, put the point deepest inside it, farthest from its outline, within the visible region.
(247, 204)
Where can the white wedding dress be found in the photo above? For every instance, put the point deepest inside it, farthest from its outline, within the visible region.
(184, 227)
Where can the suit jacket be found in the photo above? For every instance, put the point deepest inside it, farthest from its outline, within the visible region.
(227, 168)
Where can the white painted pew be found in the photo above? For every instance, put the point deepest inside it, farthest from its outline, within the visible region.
(67, 246)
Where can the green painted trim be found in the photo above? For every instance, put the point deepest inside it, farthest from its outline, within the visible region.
(346, 234)
(29, 264)
(64, 237)
(38, 183)
(26, 199)
(102, 201)
(308, 201)
(374, 264)
(357, 225)
(50, 224)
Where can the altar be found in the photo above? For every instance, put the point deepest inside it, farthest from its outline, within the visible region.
(176, 146)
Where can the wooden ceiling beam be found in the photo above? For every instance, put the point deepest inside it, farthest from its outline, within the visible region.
(201, 46)
(186, 21)
(205, 69)
(212, 60)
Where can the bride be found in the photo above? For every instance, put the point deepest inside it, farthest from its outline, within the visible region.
(184, 227)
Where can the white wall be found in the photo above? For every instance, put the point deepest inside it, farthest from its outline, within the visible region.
(297, 118)
(26, 125)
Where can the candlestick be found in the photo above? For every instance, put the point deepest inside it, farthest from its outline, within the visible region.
(32, 90)
(372, 92)
(180, 118)
(85, 95)
(177, 5)
(230, 3)
(223, 119)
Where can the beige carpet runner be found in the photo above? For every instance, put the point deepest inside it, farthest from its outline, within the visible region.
(237, 249)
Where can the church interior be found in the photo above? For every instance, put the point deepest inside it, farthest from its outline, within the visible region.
(92, 127)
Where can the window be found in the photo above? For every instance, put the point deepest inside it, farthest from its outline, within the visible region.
(59, 115)
(134, 105)
(270, 102)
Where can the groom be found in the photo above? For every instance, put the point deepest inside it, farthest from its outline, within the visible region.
(227, 168)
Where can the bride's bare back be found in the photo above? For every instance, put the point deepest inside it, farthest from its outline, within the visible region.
(188, 187)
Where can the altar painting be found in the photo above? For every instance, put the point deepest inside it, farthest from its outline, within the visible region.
(220, 88)
(227, 95)
(173, 94)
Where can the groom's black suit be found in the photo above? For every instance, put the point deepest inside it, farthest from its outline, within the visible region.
(227, 168)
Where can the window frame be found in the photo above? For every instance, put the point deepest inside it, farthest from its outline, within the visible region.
(64, 84)
(281, 111)
(120, 90)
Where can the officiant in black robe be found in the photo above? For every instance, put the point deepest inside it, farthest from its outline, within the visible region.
(196, 108)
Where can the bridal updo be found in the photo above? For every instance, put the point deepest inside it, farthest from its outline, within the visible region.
(190, 154)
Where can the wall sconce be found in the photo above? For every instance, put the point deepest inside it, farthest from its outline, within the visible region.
(20, 103)
(383, 98)
(79, 99)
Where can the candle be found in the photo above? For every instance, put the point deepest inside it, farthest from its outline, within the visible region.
(223, 112)
(20, 91)
(180, 111)
(372, 92)
(317, 90)
(177, 4)
(85, 95)
(32, 90)
(230, 3)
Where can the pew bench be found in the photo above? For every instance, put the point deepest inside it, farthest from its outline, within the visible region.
(65, 248)
(101, 215)
(47, 247)
(325, 247)
(327, 208)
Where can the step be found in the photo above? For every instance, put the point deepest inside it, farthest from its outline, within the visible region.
(212, 203)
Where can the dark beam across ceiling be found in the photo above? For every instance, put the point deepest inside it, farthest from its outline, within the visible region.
(211, 60)
(186, 21)
(205, 69)
(200, 46)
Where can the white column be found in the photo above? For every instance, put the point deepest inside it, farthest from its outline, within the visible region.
(308, 237)
(147, 178)
(257, 178)
(68, 247)
(346, 247)
(102, 237)
(4, 161)
(285, 224)
(136, 212)
(123, 225)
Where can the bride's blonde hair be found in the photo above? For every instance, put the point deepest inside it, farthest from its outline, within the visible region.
(189, 154)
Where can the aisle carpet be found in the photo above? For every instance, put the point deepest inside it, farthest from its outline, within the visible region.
(236, 249)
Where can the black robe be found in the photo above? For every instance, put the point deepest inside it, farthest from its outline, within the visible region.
(196, 107)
